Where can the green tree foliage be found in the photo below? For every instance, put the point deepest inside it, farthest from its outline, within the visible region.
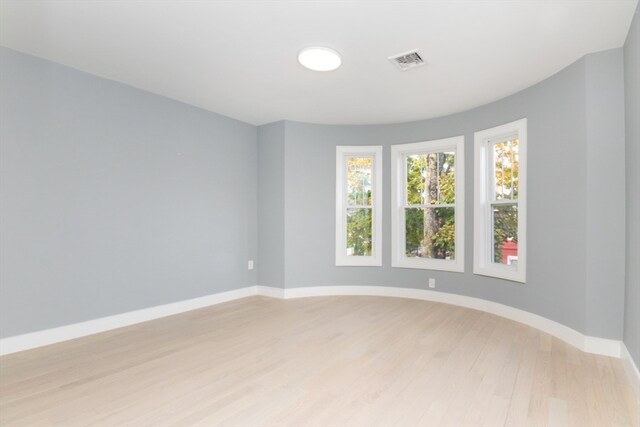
(430, 180)
(505, 217)
(359, 222)
(505, 228)
(359, 215)
(430, 231)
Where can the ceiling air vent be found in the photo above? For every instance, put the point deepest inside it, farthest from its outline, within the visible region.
(407, 60)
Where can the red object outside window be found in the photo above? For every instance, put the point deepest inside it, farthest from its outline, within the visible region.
(509, 249)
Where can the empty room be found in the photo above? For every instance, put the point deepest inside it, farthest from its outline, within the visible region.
(319, 213)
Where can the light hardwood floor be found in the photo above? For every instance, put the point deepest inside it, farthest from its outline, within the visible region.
(341, 361)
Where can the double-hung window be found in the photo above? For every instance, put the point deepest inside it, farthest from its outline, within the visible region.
(359, 205)
(500, 201)
(428, 204)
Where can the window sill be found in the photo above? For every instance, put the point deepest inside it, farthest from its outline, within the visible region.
(429, 264)
(502, 273)
(358, 262)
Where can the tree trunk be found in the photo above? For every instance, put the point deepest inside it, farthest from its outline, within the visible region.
(431, 193)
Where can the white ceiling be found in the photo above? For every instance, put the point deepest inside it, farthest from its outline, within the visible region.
(238, 58)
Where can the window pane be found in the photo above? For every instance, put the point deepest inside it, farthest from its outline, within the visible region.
(505, 156)
(359, 231)
(505, 234)
(430, 233)
(359, 173)
(430, 178)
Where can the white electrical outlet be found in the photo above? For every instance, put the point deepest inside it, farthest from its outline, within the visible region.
(432, 283)
(250, 264)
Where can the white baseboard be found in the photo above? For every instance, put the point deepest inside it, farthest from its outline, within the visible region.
(632, 369)
(63, 333)
(587, 344)
(604, 346)
(269, 291)
(76, 330)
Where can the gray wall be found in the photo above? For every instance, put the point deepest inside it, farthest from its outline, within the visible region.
(561, 147)
(114, 199)
(632, 112)
(605, 188)
(271, 213)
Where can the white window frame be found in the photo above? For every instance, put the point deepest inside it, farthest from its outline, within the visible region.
(342, 153)
(484, 189)
(399, 152)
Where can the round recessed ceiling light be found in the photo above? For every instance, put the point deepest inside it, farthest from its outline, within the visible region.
(319, 58)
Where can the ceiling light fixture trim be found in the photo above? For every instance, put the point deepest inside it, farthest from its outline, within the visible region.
(318, 58)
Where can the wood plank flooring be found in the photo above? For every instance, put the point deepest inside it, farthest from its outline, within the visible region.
(330, 361)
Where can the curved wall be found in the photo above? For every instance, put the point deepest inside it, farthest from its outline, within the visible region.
(576, 143)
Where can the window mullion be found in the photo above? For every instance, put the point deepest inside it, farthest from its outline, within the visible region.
(441, 205)
(504, 202)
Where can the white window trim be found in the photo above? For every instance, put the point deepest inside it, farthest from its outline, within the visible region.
(398, 164)
(482, 262)
(342, 152)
